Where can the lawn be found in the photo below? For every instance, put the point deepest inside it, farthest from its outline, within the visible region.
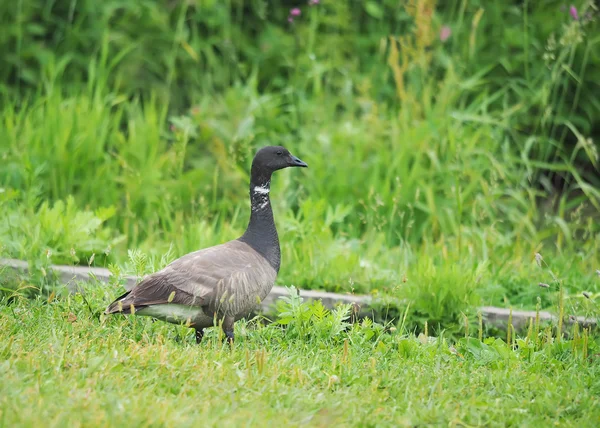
(65, 365)
(453, 164)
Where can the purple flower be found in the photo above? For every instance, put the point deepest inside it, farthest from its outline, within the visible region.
(573, 12)
(295, 12)
(290, 19)
(445, 33)
(313, 2)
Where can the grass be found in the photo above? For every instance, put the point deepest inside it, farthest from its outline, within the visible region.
(444, 175)
(63, 365)
(424, 154)
(356, 220)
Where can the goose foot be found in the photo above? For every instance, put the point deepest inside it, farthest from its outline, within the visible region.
(199, 335)
(228, 329)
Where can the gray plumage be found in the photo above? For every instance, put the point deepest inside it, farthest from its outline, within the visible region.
(228, 279)
(224, 282)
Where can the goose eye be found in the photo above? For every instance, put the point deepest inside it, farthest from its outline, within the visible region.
(279, 153)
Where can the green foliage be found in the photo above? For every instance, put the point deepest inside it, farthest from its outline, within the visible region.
(491, 352)
(60, 233)
(312, 320)
(428, 158)
(438, 170)
(63, 362)
(442, 295)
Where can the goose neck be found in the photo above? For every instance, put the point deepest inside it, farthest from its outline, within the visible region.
(261, 233)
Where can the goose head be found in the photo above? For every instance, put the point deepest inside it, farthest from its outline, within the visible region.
(272, 158)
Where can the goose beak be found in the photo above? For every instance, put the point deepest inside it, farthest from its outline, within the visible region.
(294, 161)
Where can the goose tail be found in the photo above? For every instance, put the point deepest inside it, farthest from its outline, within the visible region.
(119, 305)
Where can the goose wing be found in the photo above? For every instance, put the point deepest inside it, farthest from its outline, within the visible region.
(203, 278)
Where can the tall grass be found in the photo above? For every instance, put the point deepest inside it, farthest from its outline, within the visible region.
(459, 152)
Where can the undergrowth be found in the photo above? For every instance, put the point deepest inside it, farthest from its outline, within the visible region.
(447, 143)
(63, 362)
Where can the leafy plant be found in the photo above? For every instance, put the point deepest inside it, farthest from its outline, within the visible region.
(311, 321)
(443, 295)
(58, 233)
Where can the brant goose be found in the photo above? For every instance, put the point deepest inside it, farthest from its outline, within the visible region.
(221, 283)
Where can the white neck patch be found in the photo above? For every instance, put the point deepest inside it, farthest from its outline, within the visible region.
(262, 190)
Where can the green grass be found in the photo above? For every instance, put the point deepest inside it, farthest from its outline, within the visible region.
(438, 169)
(62, 364)
(357, 220)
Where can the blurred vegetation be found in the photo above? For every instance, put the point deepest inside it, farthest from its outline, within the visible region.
(447, 143)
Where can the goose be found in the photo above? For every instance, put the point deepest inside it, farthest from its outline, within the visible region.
(221, 283)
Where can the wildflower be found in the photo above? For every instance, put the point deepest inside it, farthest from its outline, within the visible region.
(445, 33)
(586, 294)
(543, 285)
(313, 2)
(538, 259)
(294, 13)
(573, 13)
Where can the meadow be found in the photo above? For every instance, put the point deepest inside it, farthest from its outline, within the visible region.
(453, 163)
(63, 363)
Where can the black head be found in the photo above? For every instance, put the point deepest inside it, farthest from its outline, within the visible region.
(271, 158)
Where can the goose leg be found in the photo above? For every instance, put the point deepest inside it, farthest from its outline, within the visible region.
(199, 335)
(228, 329)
